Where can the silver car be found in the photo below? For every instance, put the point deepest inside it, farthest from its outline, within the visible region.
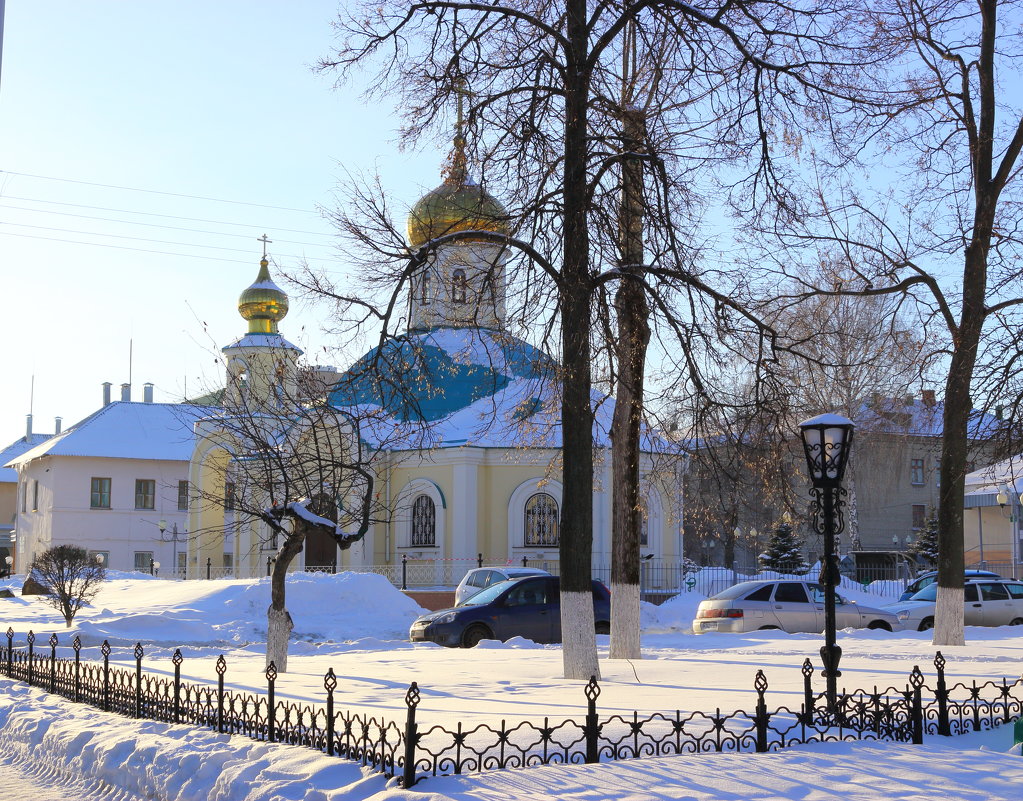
(480, 578)
(987, 602)
(792, 606)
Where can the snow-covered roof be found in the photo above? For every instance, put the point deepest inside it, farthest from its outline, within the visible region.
(14, 450)
(918, 418)
(275, 341)
(988, 481)
(126, 430)
(451, 387)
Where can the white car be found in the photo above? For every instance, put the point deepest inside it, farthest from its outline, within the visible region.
(987, 602)
(792, 606)
(480, 578)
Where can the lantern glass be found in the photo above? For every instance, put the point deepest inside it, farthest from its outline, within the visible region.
(826, 442)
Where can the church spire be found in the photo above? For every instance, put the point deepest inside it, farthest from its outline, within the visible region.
(263, 304)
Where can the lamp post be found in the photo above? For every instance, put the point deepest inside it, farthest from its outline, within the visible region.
(162, 525)
(1007, 495)
(827, 440)
(9, 562)
(156, 568)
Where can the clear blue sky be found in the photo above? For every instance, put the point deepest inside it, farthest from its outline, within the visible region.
(195, 99)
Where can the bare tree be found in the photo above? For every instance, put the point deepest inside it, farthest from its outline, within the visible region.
(929, 113)
(545, 109)
(285, 471)
(70, 577)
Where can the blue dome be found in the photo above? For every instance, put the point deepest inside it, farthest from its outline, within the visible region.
(429, 375)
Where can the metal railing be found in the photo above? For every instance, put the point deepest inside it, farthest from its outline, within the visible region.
(415, 749)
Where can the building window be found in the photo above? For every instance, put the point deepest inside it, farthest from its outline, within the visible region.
(229, 498)
(100, 495)
(35, 495)
(541, 521)
(424, 522)
(424, 297)
(229, 562)
(919, 513)
(145, 493)
(458, 286)
(916, 471)
(24, 496)
(182, 495)
(143, 561)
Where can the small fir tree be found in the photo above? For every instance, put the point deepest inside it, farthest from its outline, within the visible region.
(784, 552)
(925, 547)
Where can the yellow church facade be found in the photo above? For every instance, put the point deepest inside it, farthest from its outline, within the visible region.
(455, 422)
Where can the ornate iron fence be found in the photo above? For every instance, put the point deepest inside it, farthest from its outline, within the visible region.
(415, 750)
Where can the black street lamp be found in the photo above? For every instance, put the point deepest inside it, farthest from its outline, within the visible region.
(827, 440)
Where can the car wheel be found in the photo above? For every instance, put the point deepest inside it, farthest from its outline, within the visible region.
(603, 627)
(926, 624)
(1016, 621)
(471, 636)
(879, 624)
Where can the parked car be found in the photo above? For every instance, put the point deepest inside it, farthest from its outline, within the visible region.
(987, 603)
(792, 606)
(525, 607)
(931, 576)
(479, 578)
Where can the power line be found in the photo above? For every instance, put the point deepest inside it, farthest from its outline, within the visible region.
(144, 250)
(150, 225)
(167, 216)
(154, 192)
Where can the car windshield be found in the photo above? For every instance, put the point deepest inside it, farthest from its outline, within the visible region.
(488, 595)
(928, 593)
(736, 591)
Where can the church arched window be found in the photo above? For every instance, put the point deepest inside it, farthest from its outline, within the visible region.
(540, 523)
(458, 286)
(424, 296)
(424, 522)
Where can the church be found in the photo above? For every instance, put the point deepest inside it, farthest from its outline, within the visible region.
(456, 419)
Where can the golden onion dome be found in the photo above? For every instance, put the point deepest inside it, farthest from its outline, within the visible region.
(264, 304)
(458, 204)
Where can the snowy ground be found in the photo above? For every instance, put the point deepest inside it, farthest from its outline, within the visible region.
(357, 624)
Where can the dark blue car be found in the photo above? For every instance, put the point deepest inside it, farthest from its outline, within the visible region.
(525, 607)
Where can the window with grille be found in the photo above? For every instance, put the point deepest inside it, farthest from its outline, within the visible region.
(919, 512)
(183, 495)
(145, 493)
(541, 521)
(100, 493)
(229, 499)
(458, 286)
(424, 522)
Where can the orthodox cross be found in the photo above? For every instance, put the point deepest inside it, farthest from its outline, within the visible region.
(265, 242)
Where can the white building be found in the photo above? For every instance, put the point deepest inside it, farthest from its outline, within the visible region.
(108, 483)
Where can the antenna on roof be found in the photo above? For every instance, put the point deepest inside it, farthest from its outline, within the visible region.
(131, 347)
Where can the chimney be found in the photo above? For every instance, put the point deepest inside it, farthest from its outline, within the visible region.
(28, 427)
(147, 393)
(106, 393)
(126, 393)
(929, 399)
(999, 411)
(56, 424)
(908, 401)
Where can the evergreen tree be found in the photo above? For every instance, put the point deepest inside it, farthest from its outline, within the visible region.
(925, 546)
(784, 552)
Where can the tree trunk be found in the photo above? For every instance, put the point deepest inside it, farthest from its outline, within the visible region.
(579, 651)
(278, 620)
(633, 336)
